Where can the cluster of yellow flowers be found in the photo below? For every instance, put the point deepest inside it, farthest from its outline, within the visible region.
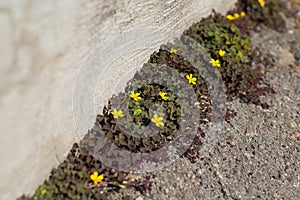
(136, 97)
(236, 16)
(217, 63)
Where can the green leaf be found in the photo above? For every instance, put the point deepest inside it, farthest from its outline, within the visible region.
(217, 38)
(137, 112)
(240, 55)
(210, 33)
(226, 37)
(234, 29)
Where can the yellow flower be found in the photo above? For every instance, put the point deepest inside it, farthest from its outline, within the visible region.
(97, 179)
(173, 51)
(222, 53)
(236, 15)
(230, 17)
(191, 79)
(243, 14)
(262, 2)
(163, 96)
(135, 96)
(215, 63)
(117, 113)
(157, 120)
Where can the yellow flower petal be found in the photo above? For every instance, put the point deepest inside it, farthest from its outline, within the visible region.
(230, 17)
(243, 14)
(236, 15)
(262, 3)
(100, 178)
(222, 53)
(160, 124)
(94, 175)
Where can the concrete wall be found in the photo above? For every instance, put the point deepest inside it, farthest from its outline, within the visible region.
(46, 45)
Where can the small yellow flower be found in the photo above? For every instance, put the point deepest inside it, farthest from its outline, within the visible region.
(97, 179)
(262, 3)
(222, 53)
(173, 51)
(215, 63)
(230, 17)
(117, 113)
(157, 120)
(191, 79)
(243, 14)
(135, 96)
(236, 15)
(163, 96)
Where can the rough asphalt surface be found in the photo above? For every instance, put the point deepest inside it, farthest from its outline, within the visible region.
(258, 155)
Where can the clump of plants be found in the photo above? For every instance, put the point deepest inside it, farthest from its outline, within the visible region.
(258, 12)
(232, 50)
(81, 176)
(170, 58)
(154, 117)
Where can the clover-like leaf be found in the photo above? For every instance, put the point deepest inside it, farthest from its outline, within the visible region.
(137, 112)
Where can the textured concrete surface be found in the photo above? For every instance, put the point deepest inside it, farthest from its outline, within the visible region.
(44, 46)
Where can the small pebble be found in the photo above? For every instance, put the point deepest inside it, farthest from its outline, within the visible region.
(249, 133)
(167, 191)
(248, 155)
(195, 182)
(232, 142)
(296, 68)
(293, 125)
(295, 135)
(276, 196)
